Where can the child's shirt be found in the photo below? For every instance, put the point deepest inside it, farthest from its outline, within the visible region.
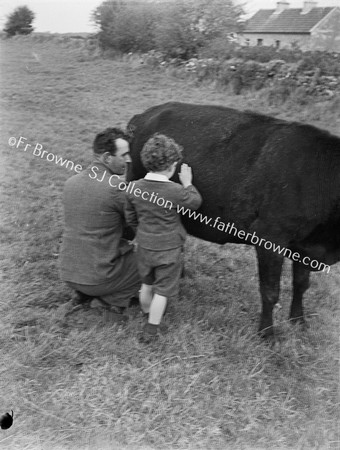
(151, 208)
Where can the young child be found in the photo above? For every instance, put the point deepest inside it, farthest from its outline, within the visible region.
(151, 209)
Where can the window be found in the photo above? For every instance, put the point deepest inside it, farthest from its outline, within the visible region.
(260, 42)
(277, 44)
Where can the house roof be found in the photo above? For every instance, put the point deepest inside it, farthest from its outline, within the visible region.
(288, 21)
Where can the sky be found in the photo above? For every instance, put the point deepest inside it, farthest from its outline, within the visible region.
(66, 16)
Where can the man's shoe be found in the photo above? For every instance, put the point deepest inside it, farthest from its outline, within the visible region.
(97, 303)
(81, 299)
(113, 317)
(117, 309)
(101, 304)
(111, 313)
(134, 302)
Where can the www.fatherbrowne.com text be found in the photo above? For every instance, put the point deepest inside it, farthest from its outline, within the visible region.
(229, 228)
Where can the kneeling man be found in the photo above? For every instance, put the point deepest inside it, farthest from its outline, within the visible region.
(95, 259)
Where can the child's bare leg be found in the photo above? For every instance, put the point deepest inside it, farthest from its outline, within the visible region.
(157, 309)
(145, 297)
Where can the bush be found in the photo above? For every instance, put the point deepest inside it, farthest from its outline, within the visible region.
(153, 59)
(215, 19)
(328, 63)
(125, 27)
(276, 96)
(219, 48)
(19, 22)
(301, 96)
(194, 27)
(252, 75)
(208, 69)
(174, 35)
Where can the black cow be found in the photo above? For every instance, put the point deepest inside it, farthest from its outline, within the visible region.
(269, 178)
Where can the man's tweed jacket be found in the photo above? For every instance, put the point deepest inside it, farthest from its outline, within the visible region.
(94, 219)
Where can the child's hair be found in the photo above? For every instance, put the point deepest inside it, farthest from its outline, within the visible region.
(159, 152)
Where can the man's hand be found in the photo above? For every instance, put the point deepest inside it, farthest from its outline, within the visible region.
(185, 175)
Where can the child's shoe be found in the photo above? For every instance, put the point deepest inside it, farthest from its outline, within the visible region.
(151, 332)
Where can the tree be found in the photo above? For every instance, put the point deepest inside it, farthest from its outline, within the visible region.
(19, 22)
(126, 27)
(175, 33)
(215, 18)
(190, 25)
(178, 28)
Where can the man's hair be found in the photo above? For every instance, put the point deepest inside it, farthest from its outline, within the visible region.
(106, 140)
(159, 152)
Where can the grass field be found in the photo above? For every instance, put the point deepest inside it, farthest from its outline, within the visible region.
(79, 382)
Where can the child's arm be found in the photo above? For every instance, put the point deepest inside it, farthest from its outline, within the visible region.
(190, 198)
(130, 214)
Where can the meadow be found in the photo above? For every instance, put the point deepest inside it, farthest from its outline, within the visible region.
(77, 381)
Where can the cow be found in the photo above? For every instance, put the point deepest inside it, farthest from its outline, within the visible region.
(265, 177)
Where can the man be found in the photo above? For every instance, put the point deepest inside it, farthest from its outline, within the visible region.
(95, 259)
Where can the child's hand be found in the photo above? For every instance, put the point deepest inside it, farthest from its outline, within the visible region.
(185, 175)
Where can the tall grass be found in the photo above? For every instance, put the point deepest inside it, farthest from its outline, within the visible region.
(77, 381)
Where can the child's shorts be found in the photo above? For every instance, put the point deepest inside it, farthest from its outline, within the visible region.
(162, 269)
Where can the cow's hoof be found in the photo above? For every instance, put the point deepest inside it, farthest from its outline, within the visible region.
(297, 319)
(265, 332)
(267, 335)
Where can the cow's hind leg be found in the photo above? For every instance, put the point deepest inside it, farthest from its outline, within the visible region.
(270, 267)
(300, 285)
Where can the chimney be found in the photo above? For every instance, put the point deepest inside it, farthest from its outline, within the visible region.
(308, 5)
(281, 6)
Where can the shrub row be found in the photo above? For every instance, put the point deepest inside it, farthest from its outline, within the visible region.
(178, 28)
(329, 63)
(242, 74)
